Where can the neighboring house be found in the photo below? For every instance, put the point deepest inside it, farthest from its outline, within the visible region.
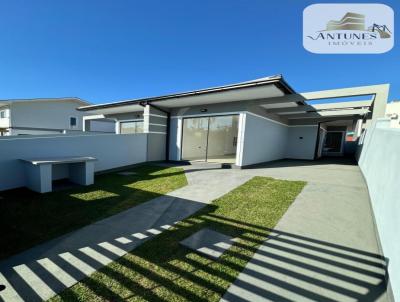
(393, 112)
(41, 116)
(246, 123)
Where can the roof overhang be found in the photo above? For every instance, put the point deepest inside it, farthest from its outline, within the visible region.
(79, 101)
(260, 89)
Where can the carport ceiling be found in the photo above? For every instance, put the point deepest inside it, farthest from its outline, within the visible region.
(357, 108)
(331, 113)
(322, 107)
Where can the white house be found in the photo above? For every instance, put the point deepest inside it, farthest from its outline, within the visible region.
(247, 123)
(41, 116)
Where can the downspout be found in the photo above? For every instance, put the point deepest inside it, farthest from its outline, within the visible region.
(143, 104)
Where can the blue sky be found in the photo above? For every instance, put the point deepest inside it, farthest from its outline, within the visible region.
(105, 51)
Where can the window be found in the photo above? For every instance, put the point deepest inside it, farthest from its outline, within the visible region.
(72, 122)
(131, 127)
(3, 114)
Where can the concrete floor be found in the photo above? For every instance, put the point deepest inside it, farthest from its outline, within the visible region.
(323, 249)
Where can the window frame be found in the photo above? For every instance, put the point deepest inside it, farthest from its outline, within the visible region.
(131, 121)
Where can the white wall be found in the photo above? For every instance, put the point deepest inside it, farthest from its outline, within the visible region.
(380, 165)
(301, 142)
(45, 114)
(266, 140)
(263, 140)
(111, 150)
(156, 146)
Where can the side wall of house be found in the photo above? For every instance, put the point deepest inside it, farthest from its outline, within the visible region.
(301, 142)
(110, 150)
(43, 114)
(263, 140)
(380, 165)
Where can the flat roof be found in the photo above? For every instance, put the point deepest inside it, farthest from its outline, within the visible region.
(276, 80)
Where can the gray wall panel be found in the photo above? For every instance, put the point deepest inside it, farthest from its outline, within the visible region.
(156, 147)
(173, 145)
(301, 142)
(264, 140)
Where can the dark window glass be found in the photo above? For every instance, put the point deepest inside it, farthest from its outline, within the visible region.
(72, 121)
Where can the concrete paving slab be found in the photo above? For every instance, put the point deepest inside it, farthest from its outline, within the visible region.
(208, 242)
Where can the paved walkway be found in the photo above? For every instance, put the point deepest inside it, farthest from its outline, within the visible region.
(323, 249)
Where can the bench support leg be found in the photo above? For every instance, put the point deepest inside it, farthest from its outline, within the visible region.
(82, 173)
(39, 178)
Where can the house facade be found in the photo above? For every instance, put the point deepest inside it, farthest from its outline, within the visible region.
(40, 116)
(247, 123)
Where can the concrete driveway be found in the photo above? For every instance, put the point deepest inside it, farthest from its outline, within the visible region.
(325, 247)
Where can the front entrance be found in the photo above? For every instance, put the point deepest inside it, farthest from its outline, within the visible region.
(333, 145)
(212, 138)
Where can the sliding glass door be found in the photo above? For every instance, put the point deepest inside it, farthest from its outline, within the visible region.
(194, 138)
(212, 139)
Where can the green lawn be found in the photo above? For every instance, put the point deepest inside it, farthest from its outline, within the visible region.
(162, 270)
(28, 218)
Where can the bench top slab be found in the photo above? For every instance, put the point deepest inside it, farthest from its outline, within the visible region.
(59, 160)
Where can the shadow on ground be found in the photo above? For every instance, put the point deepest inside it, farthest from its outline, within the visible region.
(286, 266)
(347, 161)
(28, 218)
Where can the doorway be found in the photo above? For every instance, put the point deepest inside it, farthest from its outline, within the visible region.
(333, 145)
(212, 138)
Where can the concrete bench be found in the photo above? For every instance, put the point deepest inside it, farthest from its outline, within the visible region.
(39, 171)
